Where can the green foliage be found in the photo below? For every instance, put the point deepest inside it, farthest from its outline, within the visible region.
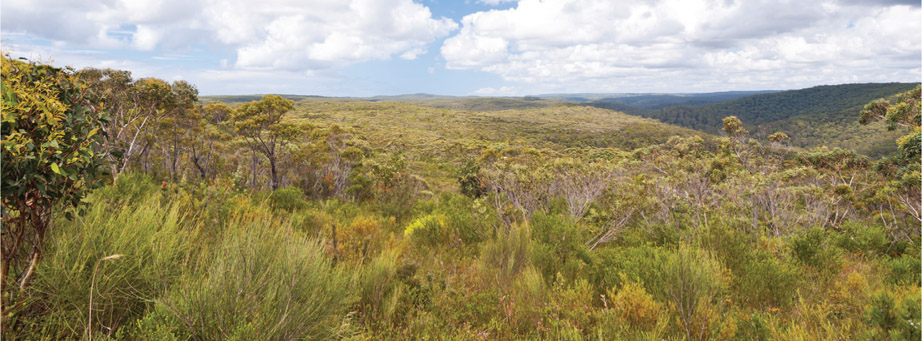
(288, 198)
(469, 179)
(50, 130)
(812, 249)
(153, 243)
(864, 239)
(429, 230)
(262, 280)
(504, 257)
(906, 269)
(559, 245)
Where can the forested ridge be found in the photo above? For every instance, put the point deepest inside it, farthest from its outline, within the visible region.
(136, 209)
(812, 117)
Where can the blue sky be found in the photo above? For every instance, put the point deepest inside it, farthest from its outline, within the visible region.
(485, 47)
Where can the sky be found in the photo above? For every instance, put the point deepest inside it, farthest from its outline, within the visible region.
(476, 47)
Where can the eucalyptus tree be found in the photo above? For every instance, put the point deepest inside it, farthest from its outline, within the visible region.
(260, 124)
(133, 106)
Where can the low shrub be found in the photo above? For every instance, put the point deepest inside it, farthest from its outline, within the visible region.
(262, 281)
(812, 248)
(359, 240)
(502, 258)
(863, 239)
(127, 254)
(635, 306)
(288, 199)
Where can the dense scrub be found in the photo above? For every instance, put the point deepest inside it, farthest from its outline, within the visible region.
(390, 220)
(679, 243)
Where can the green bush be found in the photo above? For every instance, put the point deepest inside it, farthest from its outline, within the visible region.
(691, 279)
(614, 267)
(559, 245)
(812, 249)
(502, 258)
(154, 242)
(379, 291)
(865, 239)
(906, 269)
(765, 282)
(262, 281)
(759, 280)
(429, 230)
(753, 327)
(288, 199)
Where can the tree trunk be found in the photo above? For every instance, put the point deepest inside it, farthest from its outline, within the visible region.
(253, 169)
(275, 173)
(4, 301)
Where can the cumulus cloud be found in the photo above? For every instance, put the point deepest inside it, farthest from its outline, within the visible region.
(671, 45)
(268, 35)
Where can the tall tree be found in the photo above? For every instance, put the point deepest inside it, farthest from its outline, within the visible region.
(260, 124)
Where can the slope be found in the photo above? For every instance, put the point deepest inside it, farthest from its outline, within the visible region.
(822, 115)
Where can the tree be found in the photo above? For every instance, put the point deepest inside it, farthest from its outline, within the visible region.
(208, 133)
(177, 127)
(260, 124)
(133, 107)
(50, 128)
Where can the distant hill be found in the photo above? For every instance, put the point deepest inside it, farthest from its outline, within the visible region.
(249, 98)
(659, 101)
(470, 103)
(821, 115)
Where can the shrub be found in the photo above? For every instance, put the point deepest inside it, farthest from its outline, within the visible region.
(288, 198)
(865, 239)
(634, 305)
(429, 230)
(692, 280)
(905, 269)
(469, 179)
(359, 240)
(614, 267)
(153, 241)
(753, 327)
(262, 281)
(559, 245)
(812, 249)
(882, 312)
(527, 300)
(378, 289)
(760, 280)
(505, 256)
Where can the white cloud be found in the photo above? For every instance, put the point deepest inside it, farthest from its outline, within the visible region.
(502, 91)
(494, 2)
(683, 45)
(268, 35)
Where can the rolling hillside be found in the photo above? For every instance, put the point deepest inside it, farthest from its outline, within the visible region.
(817, 116)
(433, 138)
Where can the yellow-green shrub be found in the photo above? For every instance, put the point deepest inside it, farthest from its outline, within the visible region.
(430, 230)
(359, 240)
(634, 305)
